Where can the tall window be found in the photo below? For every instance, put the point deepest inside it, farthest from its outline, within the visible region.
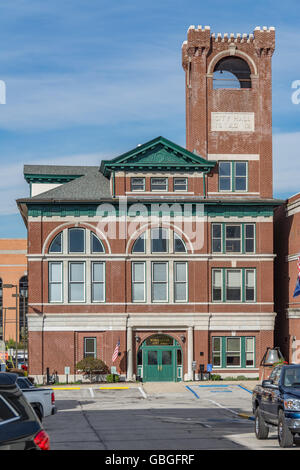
(76, 282)
(180, 282)
(98, 282)
(159, 282)
(23, 307)
(70, 279)
(233, 176)
(138, 281)
(90, 347)
(55, 282)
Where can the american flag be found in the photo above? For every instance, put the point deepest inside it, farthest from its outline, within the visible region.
(116, 351)
(297, 289)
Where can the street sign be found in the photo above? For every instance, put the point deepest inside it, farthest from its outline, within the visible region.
(194, 365)
(67, 370)
(209, 367)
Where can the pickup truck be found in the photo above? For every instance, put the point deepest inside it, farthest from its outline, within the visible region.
(276, 402)
(42, 400)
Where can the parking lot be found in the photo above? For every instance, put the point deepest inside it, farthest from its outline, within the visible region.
(155, 417)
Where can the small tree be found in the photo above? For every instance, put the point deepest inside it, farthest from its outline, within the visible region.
(91, 366)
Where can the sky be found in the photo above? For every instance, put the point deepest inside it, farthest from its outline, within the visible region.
(88, 80)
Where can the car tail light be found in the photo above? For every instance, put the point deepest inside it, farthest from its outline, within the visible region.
(42, 440)
(52, 398)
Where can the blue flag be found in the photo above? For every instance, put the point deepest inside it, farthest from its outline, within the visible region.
(297, 289)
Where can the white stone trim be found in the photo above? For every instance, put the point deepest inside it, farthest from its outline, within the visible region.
(167, 321)
(233, 156)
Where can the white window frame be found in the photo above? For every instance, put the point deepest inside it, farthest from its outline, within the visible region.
(240, 239)
(240, 286)
(251, 352)
(98, 282)
(95, 346)
(132, 183)
(180, 178)
(50, 264)
(160, 178)
(213, 352)
(186, 282)
(166, 282)
(233, 352)
(84, 241)
(76, 282)
(133, 281)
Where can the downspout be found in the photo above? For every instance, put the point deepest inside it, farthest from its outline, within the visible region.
(114, 185)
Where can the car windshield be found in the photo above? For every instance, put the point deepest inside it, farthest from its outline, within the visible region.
(292, 377)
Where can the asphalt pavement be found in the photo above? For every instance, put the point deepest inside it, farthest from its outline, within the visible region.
(155, 416)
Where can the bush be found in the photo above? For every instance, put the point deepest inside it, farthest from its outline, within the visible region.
(91, 366)
(110, 378)
(215, 377)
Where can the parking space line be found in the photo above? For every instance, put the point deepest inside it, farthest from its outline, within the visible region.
(142, 392)
(191, 390)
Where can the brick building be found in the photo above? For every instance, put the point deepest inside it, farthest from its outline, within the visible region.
(164, 248)
(286, 242)
(13, 280)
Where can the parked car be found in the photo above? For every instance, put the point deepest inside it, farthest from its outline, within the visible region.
(41, 399)
(276, 402)
(20, 429)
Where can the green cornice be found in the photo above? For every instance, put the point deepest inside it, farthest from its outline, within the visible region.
(210, 208)
(50, 178)
(158, 154)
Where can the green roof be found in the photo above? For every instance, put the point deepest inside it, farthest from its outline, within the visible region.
(158, 154)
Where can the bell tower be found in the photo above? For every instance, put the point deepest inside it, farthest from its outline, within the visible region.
(229, 104)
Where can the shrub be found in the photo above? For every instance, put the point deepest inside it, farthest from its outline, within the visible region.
(110, 378)
(91, 366)
(215, 377)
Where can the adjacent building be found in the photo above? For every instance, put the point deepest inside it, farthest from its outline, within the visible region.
(164, 249)
(13, 281)
(287, 230)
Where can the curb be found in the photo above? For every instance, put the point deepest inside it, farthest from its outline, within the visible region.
(246, 416)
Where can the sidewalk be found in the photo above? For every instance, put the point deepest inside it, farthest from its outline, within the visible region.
(179, 387)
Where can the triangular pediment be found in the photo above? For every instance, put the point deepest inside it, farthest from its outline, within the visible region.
(159, 154)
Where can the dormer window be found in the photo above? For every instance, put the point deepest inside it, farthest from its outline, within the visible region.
(137, 184)
(180, 184)
(159, 184)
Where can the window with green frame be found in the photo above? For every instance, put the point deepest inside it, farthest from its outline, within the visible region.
(233, 238)
(233, 285)
(233, 176)
(233, 352)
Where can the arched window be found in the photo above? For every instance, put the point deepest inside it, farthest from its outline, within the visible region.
(23, 308)
(232, 72)
(96, 244)
(56, 244)
(160, 242)
(76, 241)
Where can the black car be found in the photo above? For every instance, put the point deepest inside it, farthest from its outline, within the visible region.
(20, 429)
(276, 402)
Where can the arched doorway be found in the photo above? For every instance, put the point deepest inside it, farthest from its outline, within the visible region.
(159, 359)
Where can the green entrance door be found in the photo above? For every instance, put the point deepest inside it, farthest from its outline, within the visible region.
(159, 365)
(159, 359)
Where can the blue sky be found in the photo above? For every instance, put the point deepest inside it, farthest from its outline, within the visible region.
(90, 79)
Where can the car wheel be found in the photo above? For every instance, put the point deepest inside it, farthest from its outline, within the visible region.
(285, 437)
(261, 429)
